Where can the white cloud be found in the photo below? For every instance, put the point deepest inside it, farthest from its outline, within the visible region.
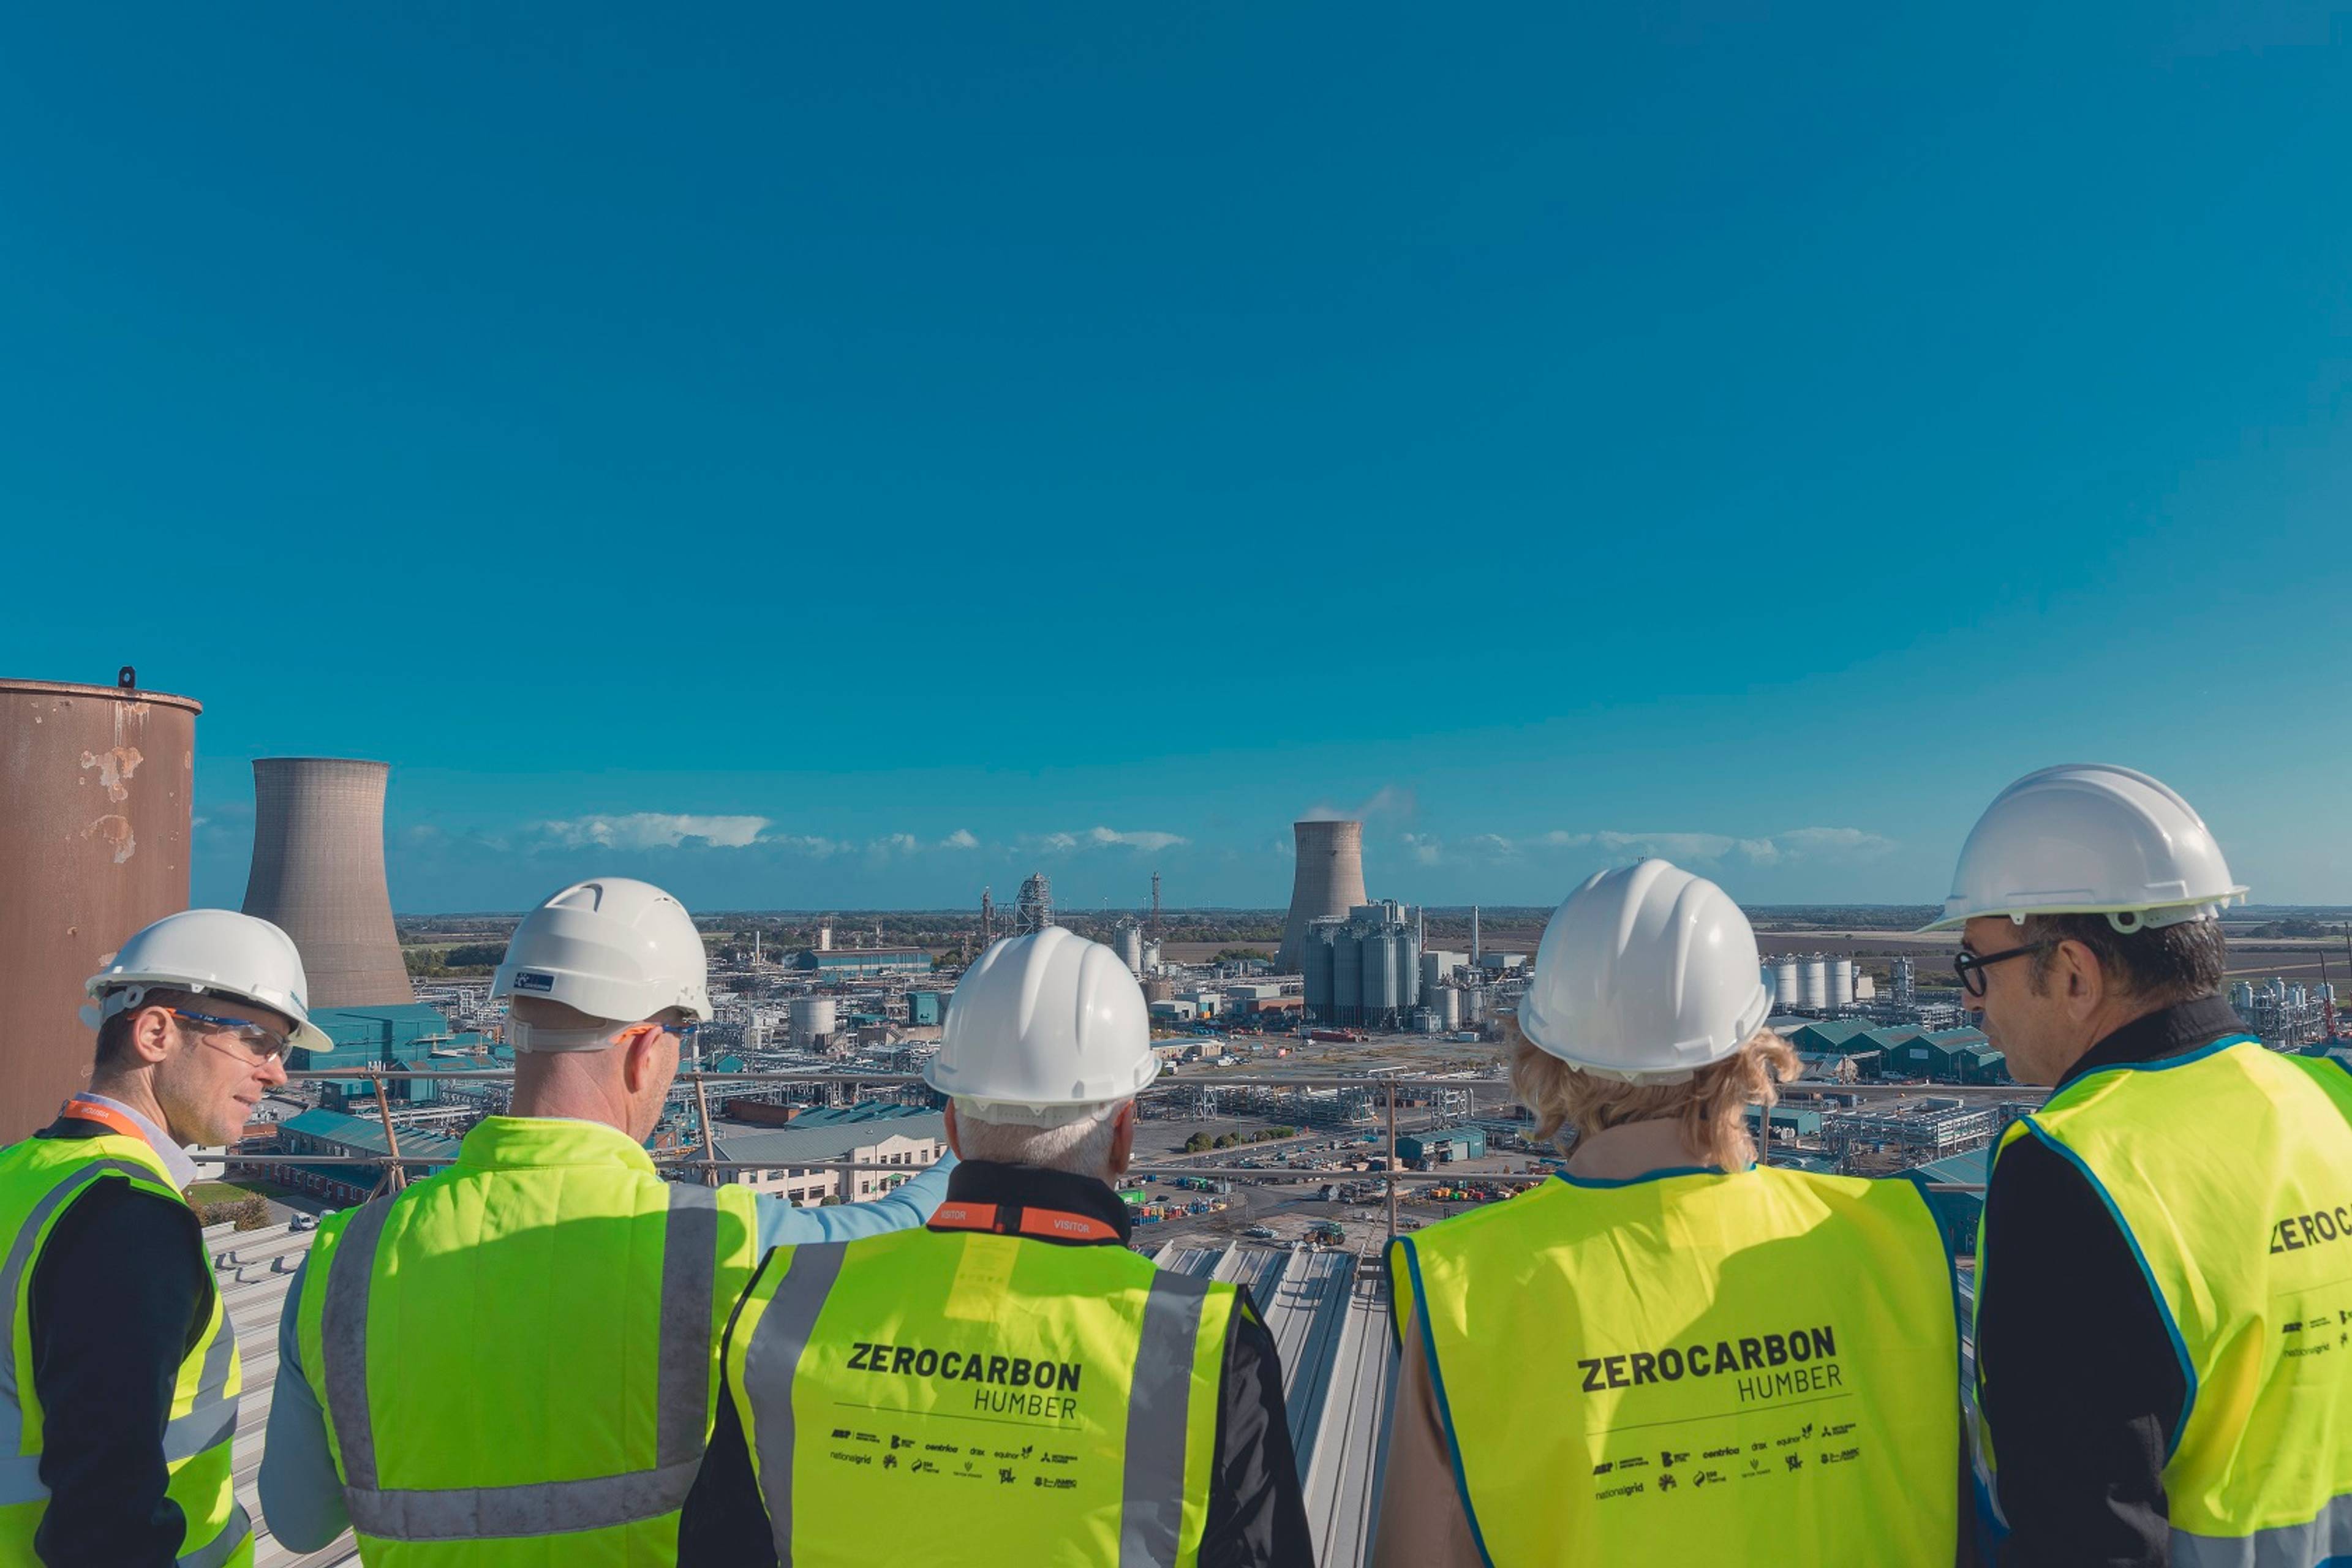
(1147, 841)
(655, 830)
(1424, 847)
(901, 843)
(961, 839)
(1713, 848)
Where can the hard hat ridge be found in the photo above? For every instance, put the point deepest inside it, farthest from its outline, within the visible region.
(220, 952)
(1646, 973)
(1043, 1025)
(2090, 839)
(612, 948)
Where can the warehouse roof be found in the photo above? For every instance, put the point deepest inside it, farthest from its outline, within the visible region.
(366, 1133)
(803, 1141)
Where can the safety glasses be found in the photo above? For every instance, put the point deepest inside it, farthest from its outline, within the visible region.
(1972, 966)
(260, 1041)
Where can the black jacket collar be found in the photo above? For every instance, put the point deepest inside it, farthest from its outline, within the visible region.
(1026, 1187)
(2168, 1031)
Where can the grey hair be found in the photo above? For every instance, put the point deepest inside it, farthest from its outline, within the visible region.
(1081, 1147)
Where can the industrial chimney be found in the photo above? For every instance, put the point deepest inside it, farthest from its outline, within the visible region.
(318, 872)
(1329, 881)
(93, 844)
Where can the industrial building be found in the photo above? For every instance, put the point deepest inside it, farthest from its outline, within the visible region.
(94, 822)
(330, 1133)
(2282, 1015)
(860, 963)
(1363, 971)
(1940, 1055)
(402, 1035)
(1423, 1150)
(1325, 883)
(318, 876)
(869, 1132)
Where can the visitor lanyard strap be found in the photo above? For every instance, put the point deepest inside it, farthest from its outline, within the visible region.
(106, 1116)
(1014, 1219)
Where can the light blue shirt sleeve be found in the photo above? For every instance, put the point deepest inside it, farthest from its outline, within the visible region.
(781, 1224)
(301, 1496)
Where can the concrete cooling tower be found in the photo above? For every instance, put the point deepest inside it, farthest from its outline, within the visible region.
(318, 872)
(1328, 882)
(93, 844)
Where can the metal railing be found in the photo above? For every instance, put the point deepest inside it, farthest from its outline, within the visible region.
(395, 1165)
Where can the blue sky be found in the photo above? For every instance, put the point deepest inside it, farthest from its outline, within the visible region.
(823, 459)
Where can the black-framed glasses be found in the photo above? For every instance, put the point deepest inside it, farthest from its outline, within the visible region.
(1972, 966)
(259, 1040)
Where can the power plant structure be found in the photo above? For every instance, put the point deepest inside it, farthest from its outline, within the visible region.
(1033, 910)
(318, 874)
(1326, 884)
(94, 826)
(1364, 970)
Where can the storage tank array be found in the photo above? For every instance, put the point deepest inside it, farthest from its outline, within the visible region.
(1813, 983)
(94, 790)
(1364, 970)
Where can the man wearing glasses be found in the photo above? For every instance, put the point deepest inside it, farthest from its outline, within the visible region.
(119, 1398)
(2164, 1276)
(518, 1358)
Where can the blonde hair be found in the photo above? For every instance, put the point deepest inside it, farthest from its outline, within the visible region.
(1710, 1107)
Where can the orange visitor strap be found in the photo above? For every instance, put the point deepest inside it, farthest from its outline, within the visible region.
(106, 1116)
(1052, 1225)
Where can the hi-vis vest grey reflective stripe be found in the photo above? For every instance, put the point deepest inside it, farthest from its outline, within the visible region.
(1151, 1507)
(212, 1420)
(689, 1268)
(2323, 1539)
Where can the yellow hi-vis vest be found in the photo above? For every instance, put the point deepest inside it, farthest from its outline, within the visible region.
(960, 1396)
(517, 1357)
(39, 1178)
(1695, 1366)
(2230, 1171)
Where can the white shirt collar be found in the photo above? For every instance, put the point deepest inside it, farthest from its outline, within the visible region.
(182, 1168)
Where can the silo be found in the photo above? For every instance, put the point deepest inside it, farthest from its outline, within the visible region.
(1813, 983)
(1316, 958)
(1159, 991)
(814, 1019)
(1382, 993)
(1449, 1007)
(1328, 880)
(1841, 982)
(94, 790)
(1150, 955)
(318, 874)
(1130, 949)
(1346, 976)
(1786, 992)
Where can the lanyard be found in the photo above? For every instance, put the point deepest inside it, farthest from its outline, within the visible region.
(1013, 1219)
(106, 1116)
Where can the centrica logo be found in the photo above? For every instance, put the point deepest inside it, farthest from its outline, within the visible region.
(531, 979)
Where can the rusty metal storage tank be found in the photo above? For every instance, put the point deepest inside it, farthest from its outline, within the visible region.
(318, 874)
(1325, 883)
(94, 790)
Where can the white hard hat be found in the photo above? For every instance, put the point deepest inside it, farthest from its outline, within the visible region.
(1043, 1028)
(209, 953)
(2090, 840)
(613, 947)
(1646, 973)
